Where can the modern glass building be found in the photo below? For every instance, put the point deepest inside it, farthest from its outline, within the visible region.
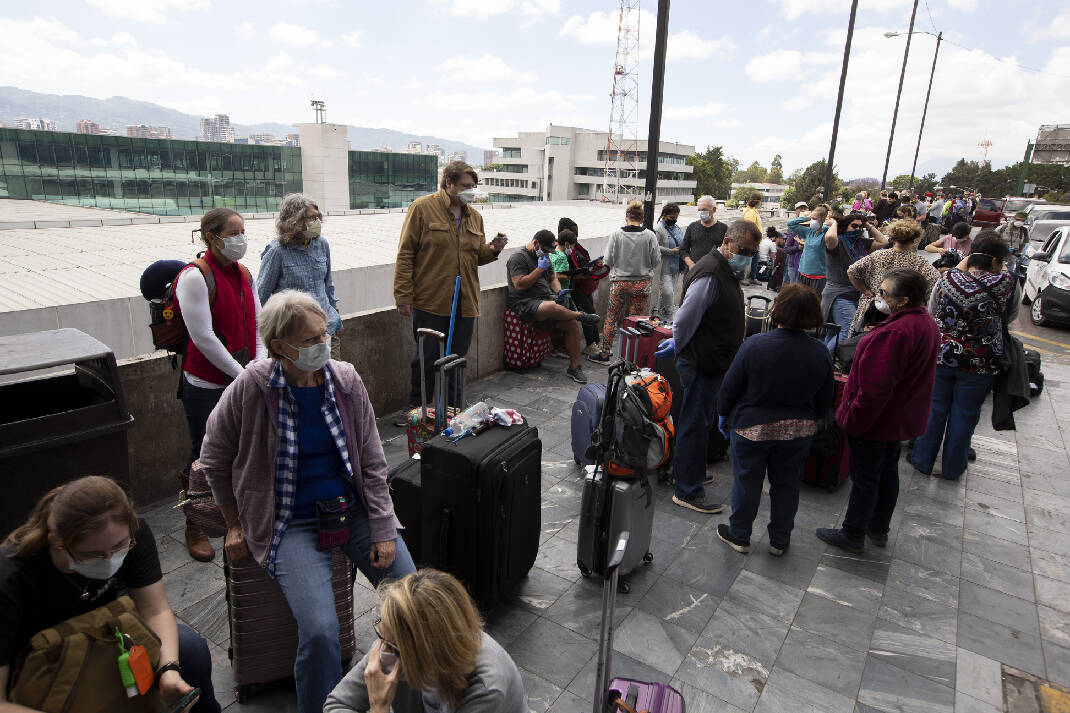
(390, 180)
(162, 177)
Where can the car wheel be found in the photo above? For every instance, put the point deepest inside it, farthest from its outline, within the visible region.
(1036, 312)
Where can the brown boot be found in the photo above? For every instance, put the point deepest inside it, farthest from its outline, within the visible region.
(197, 542)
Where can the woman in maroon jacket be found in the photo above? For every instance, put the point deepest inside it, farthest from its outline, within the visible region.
(886, 401)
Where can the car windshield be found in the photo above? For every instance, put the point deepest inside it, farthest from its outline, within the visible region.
(1013, 206)
(1053, 215)
(986, 204)
(1064, 256)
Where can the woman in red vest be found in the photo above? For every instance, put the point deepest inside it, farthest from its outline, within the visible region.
(219, 305)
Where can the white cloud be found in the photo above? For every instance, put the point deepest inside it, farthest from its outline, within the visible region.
(727, 124)
(963, 4)
(688, 45)
(700, 111)
(782, 65)
(487, 68)
(413, 85)
(537, 8)
(1058, 26)
(530, 10)
(123, 39)
(297, 35)
(154, 11)
(602, 27)
(247, 31)
(351, 39)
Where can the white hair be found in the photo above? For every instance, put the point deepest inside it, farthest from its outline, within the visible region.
(280, 313)
(707, 198)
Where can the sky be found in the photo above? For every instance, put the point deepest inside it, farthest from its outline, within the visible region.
(759, 78)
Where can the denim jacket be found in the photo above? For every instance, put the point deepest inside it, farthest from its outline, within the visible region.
(292, 267)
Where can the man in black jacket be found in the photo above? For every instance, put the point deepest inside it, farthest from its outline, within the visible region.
(707, 333)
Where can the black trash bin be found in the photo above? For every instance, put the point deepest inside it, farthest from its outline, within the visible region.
(57, 426)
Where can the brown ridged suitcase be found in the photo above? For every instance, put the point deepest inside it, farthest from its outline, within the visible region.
(263, 633)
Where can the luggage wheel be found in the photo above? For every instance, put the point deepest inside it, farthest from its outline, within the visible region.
(831, 487)
(241, 693)
(623, 587)
(648, 558)
(584, 572)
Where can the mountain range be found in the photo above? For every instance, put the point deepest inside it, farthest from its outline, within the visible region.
(116, 112)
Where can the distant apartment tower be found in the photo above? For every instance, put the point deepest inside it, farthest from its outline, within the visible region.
(293, 139)
(415, 147)
(141, 131)
(438, 151)
(217, 128)
(568, 163)
(490, 156)
(457, 156)
(35, 124)
(87, 126)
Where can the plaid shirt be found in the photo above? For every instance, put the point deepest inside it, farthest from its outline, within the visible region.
(290, 450)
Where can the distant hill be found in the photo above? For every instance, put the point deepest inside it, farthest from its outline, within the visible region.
(116, 112)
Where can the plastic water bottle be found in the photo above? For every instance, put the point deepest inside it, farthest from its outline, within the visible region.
(467, 419)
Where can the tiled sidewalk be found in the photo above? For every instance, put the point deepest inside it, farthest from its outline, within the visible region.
(976, 574)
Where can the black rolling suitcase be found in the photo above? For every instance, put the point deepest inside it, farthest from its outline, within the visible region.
(404, 482)
(482, 513)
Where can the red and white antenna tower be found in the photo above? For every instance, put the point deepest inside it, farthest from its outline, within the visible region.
(984, 144)
(622, 148)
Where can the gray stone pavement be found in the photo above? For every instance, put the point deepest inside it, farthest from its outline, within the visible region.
(976, 574)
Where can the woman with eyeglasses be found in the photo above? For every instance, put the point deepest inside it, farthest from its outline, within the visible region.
(83, 547)
(431, 655)
(848, 240)
(300, 259)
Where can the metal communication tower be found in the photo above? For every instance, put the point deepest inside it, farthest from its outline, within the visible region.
(984, 145)
(622, 147)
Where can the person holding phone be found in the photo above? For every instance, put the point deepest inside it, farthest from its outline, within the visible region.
(585, 274)
(430, 654)
(81, 548)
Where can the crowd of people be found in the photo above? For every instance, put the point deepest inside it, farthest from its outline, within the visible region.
(283, 427)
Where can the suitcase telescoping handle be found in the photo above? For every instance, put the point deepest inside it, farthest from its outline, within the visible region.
(441, 399)
(605, 637)
(422, 334)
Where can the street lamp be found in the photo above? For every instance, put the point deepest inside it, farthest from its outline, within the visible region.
(899, 92)
(939, 38)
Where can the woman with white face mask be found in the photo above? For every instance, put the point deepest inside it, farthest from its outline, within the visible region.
(300, 259)
(219, 305)
(291, 440)
(80, 549)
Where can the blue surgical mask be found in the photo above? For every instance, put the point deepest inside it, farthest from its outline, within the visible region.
(739, 264)
(312, 358)
(704, 215)
(815, 223)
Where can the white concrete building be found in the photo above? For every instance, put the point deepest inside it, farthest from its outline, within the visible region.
(771, 192)
(325, 164)
(568, 163)
(35, 124)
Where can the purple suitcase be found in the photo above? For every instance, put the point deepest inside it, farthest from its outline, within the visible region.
(585, 414)
(625, 694)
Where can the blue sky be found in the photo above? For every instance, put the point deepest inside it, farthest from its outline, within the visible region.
(758, 78)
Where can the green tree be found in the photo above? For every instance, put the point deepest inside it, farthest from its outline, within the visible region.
(713, 172)
(741, 194)
(809, 182)
(900, 182)
(925, 184)
(776, 170)
(755, 173)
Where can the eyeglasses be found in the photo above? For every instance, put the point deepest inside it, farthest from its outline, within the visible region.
(88, 557)
(854, 226)
(882, 293)
(387, 648)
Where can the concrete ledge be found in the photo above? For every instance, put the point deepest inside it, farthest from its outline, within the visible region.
(51, 223)
(174, 218)
(145, 221)
(86, 223)
(17, 225)
(116, 221)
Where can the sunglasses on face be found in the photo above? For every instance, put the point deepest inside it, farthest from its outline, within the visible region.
(854, 226)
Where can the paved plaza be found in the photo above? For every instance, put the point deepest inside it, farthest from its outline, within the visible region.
(975, 578)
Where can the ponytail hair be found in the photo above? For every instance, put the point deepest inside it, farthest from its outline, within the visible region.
(68, 512)
(635, 210)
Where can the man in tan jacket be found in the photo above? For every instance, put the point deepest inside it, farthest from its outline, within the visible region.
(442, 237)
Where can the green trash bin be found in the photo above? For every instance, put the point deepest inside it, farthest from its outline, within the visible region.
(58, 425)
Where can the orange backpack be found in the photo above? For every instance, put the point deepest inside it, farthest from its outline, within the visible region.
(637, 437)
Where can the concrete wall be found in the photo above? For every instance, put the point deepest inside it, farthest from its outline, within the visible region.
(325, 164)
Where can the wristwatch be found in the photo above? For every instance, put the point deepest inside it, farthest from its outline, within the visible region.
(169, 666)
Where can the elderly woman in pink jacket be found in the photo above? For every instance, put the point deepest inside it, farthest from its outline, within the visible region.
(291, 447)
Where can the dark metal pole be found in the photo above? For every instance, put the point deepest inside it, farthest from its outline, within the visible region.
(1025, 167)
(898, 94)
(925, 110)
(653, 136)
(839, 99)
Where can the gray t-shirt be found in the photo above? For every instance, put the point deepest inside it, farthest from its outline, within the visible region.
(520, 264)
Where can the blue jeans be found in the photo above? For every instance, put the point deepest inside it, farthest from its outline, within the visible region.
(666, 297)
(304, 573)
(956, 408)
(698, 414)
(196, 663)
(791, 274)
(751, 461)
(842, 312)
(874, 487)
(754, 267)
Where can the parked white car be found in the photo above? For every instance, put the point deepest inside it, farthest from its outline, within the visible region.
(1042, 218)
(1047, 279)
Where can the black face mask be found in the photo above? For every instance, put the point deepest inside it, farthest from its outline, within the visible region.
(670, 221)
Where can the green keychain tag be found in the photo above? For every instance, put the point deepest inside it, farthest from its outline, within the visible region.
(125, 672)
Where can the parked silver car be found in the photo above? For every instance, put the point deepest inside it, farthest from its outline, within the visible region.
(1042, 218)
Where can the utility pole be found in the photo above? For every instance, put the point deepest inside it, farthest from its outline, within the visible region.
(924, 111)
(653, 136)
(839, 99)
(898, 94)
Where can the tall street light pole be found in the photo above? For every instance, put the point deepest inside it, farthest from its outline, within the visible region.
(895, 112)
(653, 136)
(924, 111)
(839, 100)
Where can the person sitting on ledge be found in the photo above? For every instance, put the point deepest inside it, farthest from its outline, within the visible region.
(535, 295)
